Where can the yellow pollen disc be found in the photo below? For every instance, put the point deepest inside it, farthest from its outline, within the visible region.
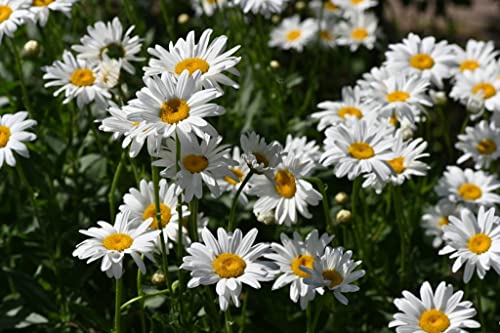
(4, 136)
(422, 61)
(228, 265)
(479, 243)
(285, 183)
(397, 96)
(443, 221)
(150, 211)
(361, 150)
(82, 77)
(117, 242)
(293, 35)
(261, 159)
(486, 147)
(325, 35)
(356, 2)
(302, 260)
(330, 7)
(42, 3)
(397, 164)
(359, 33)
(350, 111)
(192, 65)
(334, 277)
(394, 119)
(174, 110)
(434, 321)
(238, 173)
(470, 191)
(135, 123)
(5, 12)
(469, 65)
(485, 88)
(195, 163)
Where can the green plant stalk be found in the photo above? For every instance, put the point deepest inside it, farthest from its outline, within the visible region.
(232, 214)
(118, 300)
(403, 235)
(142, 298)
(180, 246)
(228, 320)
(317, 313)
(326, 208)
(356, 185)
(140, 293)
(479, 292)
(111, 194)
(20, 74)
(243, 313)
(165, 15)
(26, 183)
(193, 225)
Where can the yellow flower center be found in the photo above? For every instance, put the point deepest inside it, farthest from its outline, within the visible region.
(238, 173)
(485, 88)
(443, 221)
(302, 260)
(165, 212)
(334, 277)
(350, 111)
(261, 159)
(229, 265)
(359, 33)
(293, 35)
(422, 61)
(397, 96)
(479, 243)
(82, 77)
(469, 191)
(486, 147)
(434, 321)
(195, 163)
(117, 242)
(4, 135)
(192, 65)
(325, 35)
(285, 183)
(361, 150)
(356, 2)
(174, 110)
(329, 6)
(5, 12)
(397, 164)
(42, 3)
(469, 65)
(394, 119)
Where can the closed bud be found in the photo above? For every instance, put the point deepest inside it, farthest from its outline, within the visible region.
(274, 64)
(341, 198)
(275, 19)
(438, 97)
(158, 278)
(31, 49)
(183, 18)
(266, 218)
(299, 5)
(343, 216)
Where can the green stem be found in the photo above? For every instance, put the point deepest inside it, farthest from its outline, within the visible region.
(228, 320)
(180, 246)
(232, 215)
(356, 186)
(193, 225)
(26, 183)
(326, 209)
(140, 293)
(403, 232)
(142, 298)
(243, 313)
(479, 292)
(111, 194)
(20, 74)
(118, 301)
(166, 16)
(316, 314)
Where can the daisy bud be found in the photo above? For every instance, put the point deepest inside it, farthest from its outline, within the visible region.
(343, 216)
(341, 198)
(407, 130)
(438, 97)
(158, 278)
(183, 18)
(266, 218)
(475, 105)
(275, 19)
(300, 5)
(274, 64)
(31, 49)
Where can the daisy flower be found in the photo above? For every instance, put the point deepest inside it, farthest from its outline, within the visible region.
(334, 271)
(291, 256)
(207, 7)
(293, 34)
(307, 152)
(13, 13)
(285, 193)
(477, 54)
(328, 34)
(481, 143)
(436, 217)
(440, 311)
(376, 75)
(352, 105)
(205, 57)
(78, 79)
(240, 171)
(357, 147)
(356, 6)
(200, 162)
(171, 106)
(360, 29)
(113, 242)
(259, 155)
(41, 9)
(229, 261)
(327, 9)
(264, 7)
(108, 39)
(12, 136)
(473, 241)
(424, 57)
(468, 186)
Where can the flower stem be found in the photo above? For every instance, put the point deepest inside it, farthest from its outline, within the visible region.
(356, 186)
(479, 292)
(243, 313)
(118, 300)
(20, 74)
(143, 297)
(326, 209)
(403, 231)
(26, 183)
(166, 18)
(111, 194)
(228, 320)
(232, 214)
(140, 293)
(193, 225)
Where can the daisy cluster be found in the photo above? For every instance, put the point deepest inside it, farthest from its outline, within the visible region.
(263, 7)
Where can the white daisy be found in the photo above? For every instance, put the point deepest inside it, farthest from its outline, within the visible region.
(477, 54)
(356, 6)
(171, 106)
(481, 143)
(13, 13)
(240, 171)
(360, 29)
(468, 186)
(12, 136)
(434, 312)
(108, 39)
(207, 7)
(328, 33)
(259, 155)
(290, 256)
(474, 242)
(41, 9)
(200, 162)
(293, 34)
(264, 7)
(424, 57)
(229, 261)
(113, 242)
(307, 152)
(327, 9)
(436, 217)
(357, 147)
(375, 76)
(334, 271)
(208, 58)
(78, 79)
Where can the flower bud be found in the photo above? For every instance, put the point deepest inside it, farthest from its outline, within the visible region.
(275, 19)
(183, 18)
(158, 278)
(438, 97)
(274, 64)
(299, 5)
(341, 198)
(343, 216)
(31, 49)
(266, 218)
